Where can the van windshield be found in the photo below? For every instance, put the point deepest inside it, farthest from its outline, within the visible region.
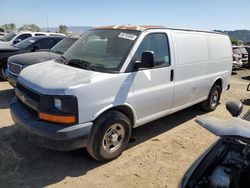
(8, 37)
(103, 50)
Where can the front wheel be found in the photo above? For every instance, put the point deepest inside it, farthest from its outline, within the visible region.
(109, 136)
(213, 99)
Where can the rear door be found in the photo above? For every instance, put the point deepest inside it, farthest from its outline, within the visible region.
(153, 88)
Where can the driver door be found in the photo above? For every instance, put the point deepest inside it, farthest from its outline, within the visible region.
(154, 87)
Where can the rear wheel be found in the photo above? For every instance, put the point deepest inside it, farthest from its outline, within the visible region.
(109, 136)
(213, 99)
(3, 67)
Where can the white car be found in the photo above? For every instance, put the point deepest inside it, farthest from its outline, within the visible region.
(237, 58)
(116, 78)
(13, 38)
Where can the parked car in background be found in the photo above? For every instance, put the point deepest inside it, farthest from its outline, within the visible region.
(116, 78)
(18, 62)
(248, 50)
(2, 32)
(226, 163)
(31, 44)
(244, 54)
(13, 38)
(237, 56)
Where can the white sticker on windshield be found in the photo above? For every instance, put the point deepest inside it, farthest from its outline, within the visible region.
(127, 36)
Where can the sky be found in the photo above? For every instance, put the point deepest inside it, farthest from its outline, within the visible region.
(196, 14)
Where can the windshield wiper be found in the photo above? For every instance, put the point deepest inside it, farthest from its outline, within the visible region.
(62, 59)
(81, 63)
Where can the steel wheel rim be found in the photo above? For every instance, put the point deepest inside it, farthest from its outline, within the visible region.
(113, 138)
(214, 99)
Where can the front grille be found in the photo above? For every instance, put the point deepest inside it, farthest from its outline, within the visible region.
(28, 109)
(15, 68)
(31, 94)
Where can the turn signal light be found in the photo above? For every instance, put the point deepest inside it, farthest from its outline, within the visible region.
(57, 118)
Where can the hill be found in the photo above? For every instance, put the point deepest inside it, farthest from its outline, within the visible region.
(243, 35)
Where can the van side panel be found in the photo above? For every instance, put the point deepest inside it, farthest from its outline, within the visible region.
(192, 51)
(202, 58)
(221, 58)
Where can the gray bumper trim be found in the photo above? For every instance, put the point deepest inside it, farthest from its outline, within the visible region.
(75, 136)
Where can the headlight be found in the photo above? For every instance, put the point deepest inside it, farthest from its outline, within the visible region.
(58, 109)
(58, 103)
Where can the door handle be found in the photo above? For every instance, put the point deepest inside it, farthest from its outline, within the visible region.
(172, 75)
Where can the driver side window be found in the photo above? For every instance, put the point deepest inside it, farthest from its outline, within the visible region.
(157, 43)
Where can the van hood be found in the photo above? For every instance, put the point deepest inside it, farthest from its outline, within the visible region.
(33, 57)
(234, 128)
(51, 77)
(8, 49)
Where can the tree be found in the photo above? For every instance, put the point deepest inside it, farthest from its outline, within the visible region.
(9, 27)
(31, 27)
(63, 29)
(236, 42)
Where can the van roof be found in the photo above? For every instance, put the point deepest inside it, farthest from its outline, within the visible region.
(146, 27)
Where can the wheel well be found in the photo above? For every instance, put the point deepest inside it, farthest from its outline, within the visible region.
(2, 61)
(127, 111)
(219, 82)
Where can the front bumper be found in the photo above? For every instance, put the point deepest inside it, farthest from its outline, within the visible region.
(12, 79)
(50, 135)
(244, 61)
(237, 64)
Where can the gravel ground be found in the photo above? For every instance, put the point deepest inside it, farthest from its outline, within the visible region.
(158, 155)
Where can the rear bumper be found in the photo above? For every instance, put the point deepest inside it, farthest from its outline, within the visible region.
(12, 79)
(50, 135)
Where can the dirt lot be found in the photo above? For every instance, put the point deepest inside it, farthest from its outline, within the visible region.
(158, 156)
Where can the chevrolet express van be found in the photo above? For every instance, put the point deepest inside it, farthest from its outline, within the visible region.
(116, 78)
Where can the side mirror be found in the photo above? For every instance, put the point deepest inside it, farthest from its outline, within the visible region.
(34, 49)
(17, 40)
(147, 60)
(248, 87)
(234, 108)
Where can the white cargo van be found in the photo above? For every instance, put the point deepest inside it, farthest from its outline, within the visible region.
(116, 78)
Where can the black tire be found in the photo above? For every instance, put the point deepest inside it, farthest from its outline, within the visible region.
(213, 99)
(98, 146)
(3, 67)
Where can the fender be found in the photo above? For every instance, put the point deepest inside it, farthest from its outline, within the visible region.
(100, 112)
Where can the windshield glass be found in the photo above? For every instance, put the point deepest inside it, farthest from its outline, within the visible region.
(104, 50)
(26, 43)
(243, 50)
(236, 51)
(63, 45)
(8, 37)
